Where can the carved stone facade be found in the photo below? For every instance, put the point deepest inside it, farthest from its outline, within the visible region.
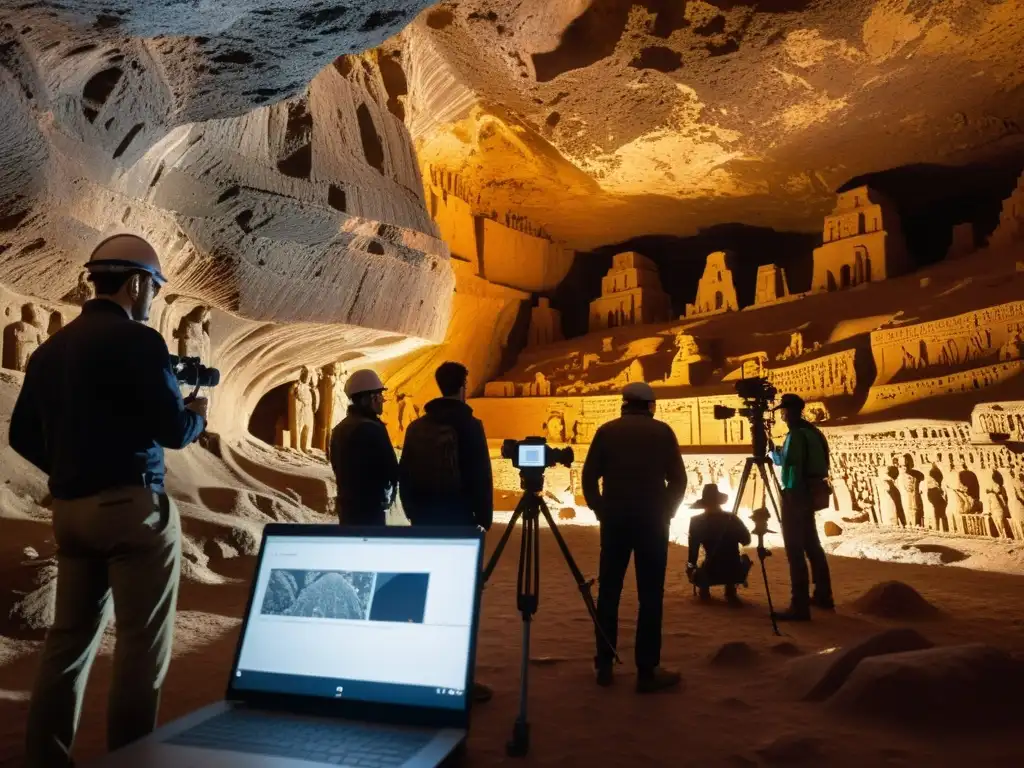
(23, 337)
(716, 291)
(863, 242)
(1011, 220)
(545, 324)
(631, 294)
(771, 285)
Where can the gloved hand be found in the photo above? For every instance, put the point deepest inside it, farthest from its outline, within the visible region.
(200, 405)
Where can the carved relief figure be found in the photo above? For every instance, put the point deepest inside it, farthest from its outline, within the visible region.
(82, 292)
(909, 483)
(23, 338)
(997, 503)
(888, 498)
(1015, 499)
(934, 501)
(303, 402)
(193, 334)
(326, 416)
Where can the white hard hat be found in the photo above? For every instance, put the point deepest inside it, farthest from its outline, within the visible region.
(363, 380)
(125, 253)
(638, 391)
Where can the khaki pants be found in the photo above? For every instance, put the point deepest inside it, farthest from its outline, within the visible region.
(123, 544)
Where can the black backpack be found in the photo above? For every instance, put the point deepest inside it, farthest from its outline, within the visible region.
(431, 458)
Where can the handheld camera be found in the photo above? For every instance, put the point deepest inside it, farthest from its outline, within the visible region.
(190, 371)
(757, 395)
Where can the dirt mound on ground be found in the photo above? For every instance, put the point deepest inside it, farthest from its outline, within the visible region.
(953, 686)
(895, 600)
(816, 677)
(733, 655)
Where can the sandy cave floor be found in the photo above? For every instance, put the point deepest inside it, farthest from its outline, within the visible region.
(722, 717)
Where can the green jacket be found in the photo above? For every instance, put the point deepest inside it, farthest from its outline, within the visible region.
(804, 455)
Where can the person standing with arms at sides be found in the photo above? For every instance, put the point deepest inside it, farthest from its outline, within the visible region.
(99, 404)
(804, 458)
(444, 475)
(637, 458)
(364, 462)
(445, 469)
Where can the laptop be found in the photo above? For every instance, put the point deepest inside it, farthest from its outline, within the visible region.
(357, 648)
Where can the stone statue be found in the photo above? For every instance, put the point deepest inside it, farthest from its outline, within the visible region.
(303, 402)
(193, 334)
(82, 292)
(23, 338)
(326, 416)
(997, 503)
(1015, 500)
(909, 483)
(888, 499)
(934, 505)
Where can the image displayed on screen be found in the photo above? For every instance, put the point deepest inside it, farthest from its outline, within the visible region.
(531, 455)
(352, 595)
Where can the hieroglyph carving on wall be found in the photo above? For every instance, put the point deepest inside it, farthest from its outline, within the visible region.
(993, 333)
(829, 376)
(892, 395)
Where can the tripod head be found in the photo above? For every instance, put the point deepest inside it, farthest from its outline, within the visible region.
(531, 480)
(758, 396)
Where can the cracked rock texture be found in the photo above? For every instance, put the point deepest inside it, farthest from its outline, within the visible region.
(602, 120)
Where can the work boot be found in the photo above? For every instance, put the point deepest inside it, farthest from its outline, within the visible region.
(704, 593)
(657, 679)
(482, 693)
(794, 613)
(604, 675)
(731, 597)
(823, 602)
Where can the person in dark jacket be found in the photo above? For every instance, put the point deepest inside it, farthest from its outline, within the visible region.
(720, 534)
(363, 459)
(637, 458)
(445, 469)
(99, 404)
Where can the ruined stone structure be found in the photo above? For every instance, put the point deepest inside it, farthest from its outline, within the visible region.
(631, 294)
(716, 291)
(1011, 219)
(545, 324)
(771, 285)
(863, 242)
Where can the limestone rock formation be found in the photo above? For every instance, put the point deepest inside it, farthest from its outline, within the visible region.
(277, 188)
(602, 121)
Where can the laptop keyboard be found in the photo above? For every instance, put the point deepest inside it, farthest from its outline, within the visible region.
(319, 741)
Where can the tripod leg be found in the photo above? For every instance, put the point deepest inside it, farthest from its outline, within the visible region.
(761, 553)
(772, 489)
(493, 562)
(527, 597)
(743, 485)
(581, 582)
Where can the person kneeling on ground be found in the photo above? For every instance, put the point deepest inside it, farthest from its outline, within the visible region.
(721, 534)
(444, 473)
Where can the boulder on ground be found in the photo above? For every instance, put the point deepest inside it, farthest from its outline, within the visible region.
(736, 654)
(946, 687)
(832, 529)
(818, 676)
(895, 600)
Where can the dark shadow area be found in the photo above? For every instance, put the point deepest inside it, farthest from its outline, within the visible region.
(517, 339)
(395, 83)
(932, 199)
(270, 411)
(581, 286)
(657, 57)
(372, 147)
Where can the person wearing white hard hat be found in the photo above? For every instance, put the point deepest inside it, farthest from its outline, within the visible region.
(99, 405)
(363, 459)
(637, 458)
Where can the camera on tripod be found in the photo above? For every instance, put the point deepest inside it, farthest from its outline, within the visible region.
(535, 453)
(757, 394)
(189, 370)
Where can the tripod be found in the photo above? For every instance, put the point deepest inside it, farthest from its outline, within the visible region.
(773, 493)
(530, 507)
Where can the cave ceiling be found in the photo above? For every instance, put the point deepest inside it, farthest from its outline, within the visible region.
(604, 120)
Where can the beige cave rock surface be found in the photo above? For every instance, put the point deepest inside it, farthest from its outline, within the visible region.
(603, 120)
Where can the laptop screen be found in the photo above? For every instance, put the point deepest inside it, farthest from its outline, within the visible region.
(385, 619)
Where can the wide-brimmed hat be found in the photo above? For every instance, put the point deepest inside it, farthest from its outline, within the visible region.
(790, 402)
(710, 497)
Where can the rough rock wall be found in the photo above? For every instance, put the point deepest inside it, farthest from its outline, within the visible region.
(604, 120)
(307, 211)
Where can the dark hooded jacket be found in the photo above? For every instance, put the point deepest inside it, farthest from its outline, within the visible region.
(474, 503)
(638, 459)
(365, 468)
